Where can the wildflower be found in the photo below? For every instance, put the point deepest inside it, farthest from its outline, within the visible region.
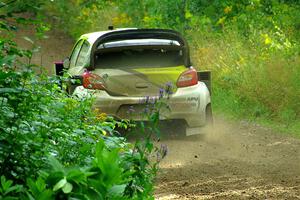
(147, 99)
(221, 21)
(153, 100)
(169, 84)
(169, 88)
(268, 40)
(163, 151)
(104, 132)
(228, 9)
(161, 93)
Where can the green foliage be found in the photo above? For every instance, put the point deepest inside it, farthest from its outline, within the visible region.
(54, 146)
(85, 16)
(8, 190)
(106, 177)
(116, 172)
(37, 119)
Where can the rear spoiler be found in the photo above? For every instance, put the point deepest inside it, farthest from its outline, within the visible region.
(205, 76)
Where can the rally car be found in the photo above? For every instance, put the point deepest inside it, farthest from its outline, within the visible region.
(122, 67)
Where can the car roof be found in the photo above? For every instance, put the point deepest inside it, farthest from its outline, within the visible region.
(92, 37)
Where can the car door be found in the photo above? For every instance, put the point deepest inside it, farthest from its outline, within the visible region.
(79, 57)
(78, 61)
(83, 58)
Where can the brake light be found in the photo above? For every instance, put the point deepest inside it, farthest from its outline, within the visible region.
(188, 78)
(92, 81)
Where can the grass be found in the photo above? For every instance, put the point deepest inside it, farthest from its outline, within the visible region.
(231, 107)
(251, 82)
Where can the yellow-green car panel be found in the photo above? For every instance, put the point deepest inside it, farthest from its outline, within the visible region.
(140, 81)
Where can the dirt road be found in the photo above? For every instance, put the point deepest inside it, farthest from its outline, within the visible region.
(235, 161)
(56, 46)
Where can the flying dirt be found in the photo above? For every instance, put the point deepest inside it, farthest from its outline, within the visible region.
(233, 161)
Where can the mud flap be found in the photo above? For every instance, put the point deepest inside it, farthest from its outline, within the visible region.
(205, 76)
(194, 131)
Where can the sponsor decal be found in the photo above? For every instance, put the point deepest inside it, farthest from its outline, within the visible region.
(192, 99)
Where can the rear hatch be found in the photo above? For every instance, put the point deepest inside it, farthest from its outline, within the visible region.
(139, 70)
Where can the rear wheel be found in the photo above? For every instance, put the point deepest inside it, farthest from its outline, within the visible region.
(209, 131)
(209, 115)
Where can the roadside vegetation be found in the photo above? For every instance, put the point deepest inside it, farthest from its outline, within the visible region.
(251, 46)
(54, 146)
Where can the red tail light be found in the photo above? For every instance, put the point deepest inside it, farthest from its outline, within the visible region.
(92, 81)
(188, 78)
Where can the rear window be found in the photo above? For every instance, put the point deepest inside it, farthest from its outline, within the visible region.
(138, 58)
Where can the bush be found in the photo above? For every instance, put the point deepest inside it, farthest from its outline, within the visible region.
(53, 146)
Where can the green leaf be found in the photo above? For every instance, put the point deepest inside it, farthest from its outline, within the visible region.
(5, 183)
(60, 184)
(30, 197)
(10, 198)
(77, 176)
(7, 60)
(16, 188)
(45, 195)
(3, 180)
(116, 190)
(40, 184)
(53, 177)
(92, 193)
(32, 187)
(55, 164)
(188, 14)
(87, 174)
(67, 188)
(99, 149)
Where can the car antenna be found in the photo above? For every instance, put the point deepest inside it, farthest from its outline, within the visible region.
(110, 27)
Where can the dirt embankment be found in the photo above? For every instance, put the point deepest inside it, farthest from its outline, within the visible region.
(234, 161)
(56, 46)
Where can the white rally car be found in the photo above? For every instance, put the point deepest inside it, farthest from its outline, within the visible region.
(122, 67)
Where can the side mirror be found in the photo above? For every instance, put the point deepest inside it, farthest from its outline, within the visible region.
(59, 68)
(66, 63)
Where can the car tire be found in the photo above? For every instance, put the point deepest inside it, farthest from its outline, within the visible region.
(209, 115)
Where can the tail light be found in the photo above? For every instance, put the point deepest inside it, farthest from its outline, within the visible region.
(188, 78)
(92, 81)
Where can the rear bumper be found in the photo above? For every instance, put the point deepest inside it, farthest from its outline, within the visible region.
(187, 103)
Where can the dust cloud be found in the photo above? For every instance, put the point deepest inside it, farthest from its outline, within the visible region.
(231, 161)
